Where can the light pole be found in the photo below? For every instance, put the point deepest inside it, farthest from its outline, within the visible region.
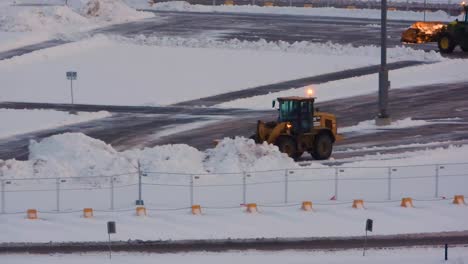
(384, 84)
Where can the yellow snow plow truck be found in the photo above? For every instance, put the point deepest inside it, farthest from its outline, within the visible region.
(447, 36)
(299, 128)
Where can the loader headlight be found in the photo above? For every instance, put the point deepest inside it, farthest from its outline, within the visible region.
(288, 125)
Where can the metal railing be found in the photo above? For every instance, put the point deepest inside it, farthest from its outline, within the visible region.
(175, 191)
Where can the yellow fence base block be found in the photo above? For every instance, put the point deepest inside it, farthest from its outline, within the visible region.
(141, 211)
(252, 208)
(351, 7)
(269, 4)
(358, 204)
(391, 9)
(459, 199)
(407, 202)
(306, 206)
(229, 2)
(196, 209)
(308, 5)
(31, 214)
(88, 213)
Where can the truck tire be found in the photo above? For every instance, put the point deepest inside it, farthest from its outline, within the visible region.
(288, 145)
(323, 147)
(446, 43)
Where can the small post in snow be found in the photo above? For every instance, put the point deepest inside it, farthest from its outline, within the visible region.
(446, 252)
(72, 75)
(369, 224)
(110, 230)
(140, 199)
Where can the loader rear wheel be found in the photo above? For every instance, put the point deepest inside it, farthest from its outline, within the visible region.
(465, 49)
(446, 43)
(288, 145)
(323, 147)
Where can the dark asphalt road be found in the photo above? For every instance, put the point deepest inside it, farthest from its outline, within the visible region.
(439, 101)
(275, 244)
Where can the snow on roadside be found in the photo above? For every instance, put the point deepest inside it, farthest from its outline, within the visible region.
(426, 74)
(328, 48)
(25, 121)
(369, 126)
(324, 12)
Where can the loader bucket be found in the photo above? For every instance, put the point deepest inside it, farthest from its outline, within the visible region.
(422, 32)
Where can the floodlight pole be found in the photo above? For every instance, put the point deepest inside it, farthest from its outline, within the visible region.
(71, 92)
(384, 85)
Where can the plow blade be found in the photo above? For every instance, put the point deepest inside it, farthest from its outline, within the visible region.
(422, 32)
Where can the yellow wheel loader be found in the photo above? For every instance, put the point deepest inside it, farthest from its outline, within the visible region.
(299, 128)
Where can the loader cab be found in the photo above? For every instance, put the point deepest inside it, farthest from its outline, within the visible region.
(298, 111)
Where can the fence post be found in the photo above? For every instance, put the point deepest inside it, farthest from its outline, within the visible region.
(286, 186)
(437, 181)
(244, 188)
(214, 2)
(389, 187)
(57, 191)
(112, 193)
(3, 196)
(191, 190)
(336, 183)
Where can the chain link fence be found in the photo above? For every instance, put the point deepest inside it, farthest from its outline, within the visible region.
(176, 191)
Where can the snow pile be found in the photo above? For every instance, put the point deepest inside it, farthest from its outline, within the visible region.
(114, 11)
(329, 48)
(78, 16)
(240, 154)
(178, 158)
(67, 155)
(25, 121)
(328, 11)
(56, 19)
(75, 154)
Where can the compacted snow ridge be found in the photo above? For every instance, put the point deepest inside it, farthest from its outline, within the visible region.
(321, 11)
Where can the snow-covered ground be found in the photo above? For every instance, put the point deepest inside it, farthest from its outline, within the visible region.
(22, 25)
(454, 71)
(163, 71)
(328, 12)
(217, 180)
(24, 121)
(457, 255)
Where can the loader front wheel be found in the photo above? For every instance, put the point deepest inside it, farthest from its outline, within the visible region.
(323, 147)
(446, 43)
(288, 145)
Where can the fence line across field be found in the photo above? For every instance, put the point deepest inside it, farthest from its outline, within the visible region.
(280, 184)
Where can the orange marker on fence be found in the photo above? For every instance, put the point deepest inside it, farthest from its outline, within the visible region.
(459, 199)
(88, 213)
(306, 206)
(196, 209)
(31, 214)
(358, 204)
(251, 208)
(407, 202)
(141, 211)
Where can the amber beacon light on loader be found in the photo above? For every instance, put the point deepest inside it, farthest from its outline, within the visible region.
(300, 128)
